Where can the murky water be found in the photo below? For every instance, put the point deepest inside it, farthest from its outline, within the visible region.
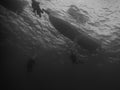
(27, 36)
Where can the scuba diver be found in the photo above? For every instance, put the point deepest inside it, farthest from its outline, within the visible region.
(30, 65)
(73, 58)
(36, 7)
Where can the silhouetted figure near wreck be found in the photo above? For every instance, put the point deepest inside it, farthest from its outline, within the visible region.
(30, 65)
(73, 58)
(36, 7)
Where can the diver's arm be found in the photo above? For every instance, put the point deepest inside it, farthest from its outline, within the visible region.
(45, 11)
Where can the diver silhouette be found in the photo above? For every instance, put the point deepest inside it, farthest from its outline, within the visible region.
(36, 7)
(73, 58)
(30, 65)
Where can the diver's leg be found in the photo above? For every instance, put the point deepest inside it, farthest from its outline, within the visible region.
(33, 10)
(30, 65)
(39, 13)
(41, 10)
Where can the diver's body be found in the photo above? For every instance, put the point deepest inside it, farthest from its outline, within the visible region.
(30, 65)
(73, 58)
(36, 7)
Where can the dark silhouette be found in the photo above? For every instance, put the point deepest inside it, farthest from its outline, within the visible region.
(73, 58)
(30, 65)
(36, 7)
(47, 11)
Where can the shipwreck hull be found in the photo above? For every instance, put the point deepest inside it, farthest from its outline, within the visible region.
(75, 34)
